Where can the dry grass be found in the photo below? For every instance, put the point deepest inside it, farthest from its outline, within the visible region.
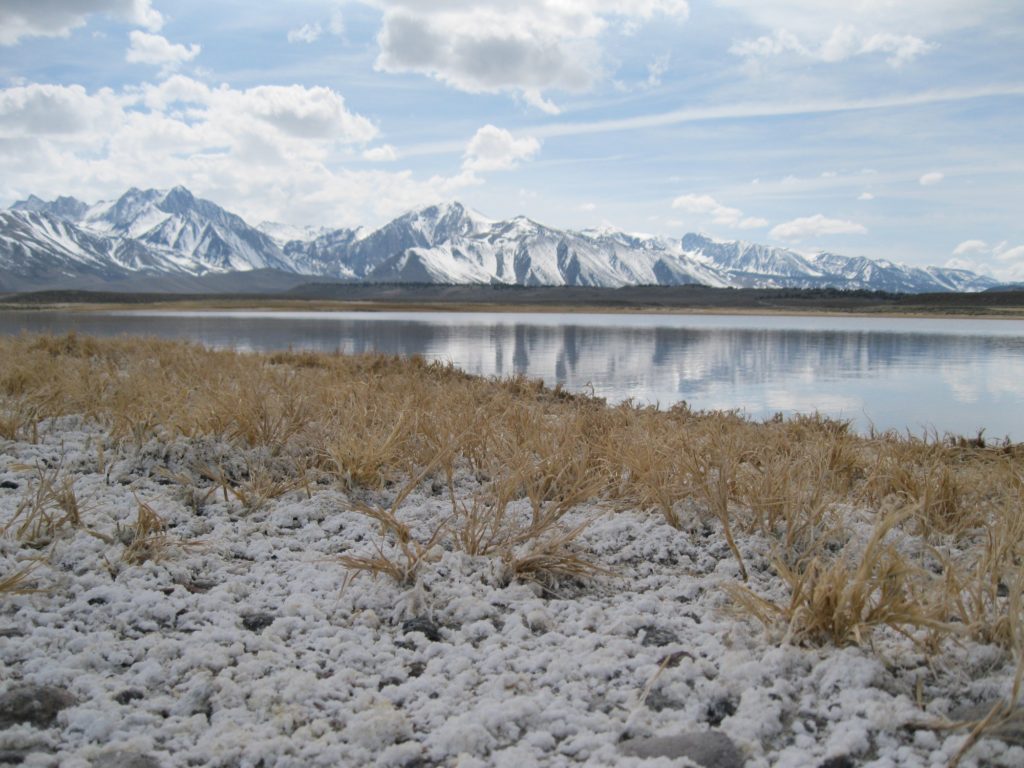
(16, 582)
(841, 599)
(367, 422)
(48, 508)
(147, 539)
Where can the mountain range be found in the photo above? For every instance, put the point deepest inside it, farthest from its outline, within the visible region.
(172, 240)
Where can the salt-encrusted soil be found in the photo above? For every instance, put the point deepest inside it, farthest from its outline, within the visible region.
(251, 645)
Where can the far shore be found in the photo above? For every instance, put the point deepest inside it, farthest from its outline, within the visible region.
(379, 307)
(676, 300)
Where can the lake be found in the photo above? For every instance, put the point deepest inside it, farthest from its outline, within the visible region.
(916, 374)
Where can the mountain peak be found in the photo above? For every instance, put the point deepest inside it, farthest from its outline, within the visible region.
(177, 200)
(442, 221)
(62, 207)
(31, 203)
(172, 230)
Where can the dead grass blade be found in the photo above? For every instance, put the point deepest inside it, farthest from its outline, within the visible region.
(14, 582)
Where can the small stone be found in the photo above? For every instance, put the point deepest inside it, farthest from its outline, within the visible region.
(426, 626)
(710, 749)
(839, 761)
(199, 586)
(657, 701)
(417, 668)
(675, 659)
(718, 710)
(13, 756)
(257, 622)
(9, 484)
(123, 758)
(657, 636)
(34, 704)
(128, 695)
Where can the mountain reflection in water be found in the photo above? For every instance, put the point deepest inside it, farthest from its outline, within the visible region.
(954, 376)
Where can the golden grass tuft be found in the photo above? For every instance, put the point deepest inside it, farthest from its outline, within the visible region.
(16, 582)
(147, 539)
(48, 508)
(368, 422)
(841, 599)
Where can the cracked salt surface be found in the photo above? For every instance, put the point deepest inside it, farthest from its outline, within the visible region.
(252, 646)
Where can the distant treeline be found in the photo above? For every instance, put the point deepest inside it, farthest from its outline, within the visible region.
(630, 297)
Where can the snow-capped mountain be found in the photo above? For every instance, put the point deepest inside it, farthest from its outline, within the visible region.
(38, 247)
(198, 235)
(63, 207)
(65, 242)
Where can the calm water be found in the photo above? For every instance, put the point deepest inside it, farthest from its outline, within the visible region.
(955, 376)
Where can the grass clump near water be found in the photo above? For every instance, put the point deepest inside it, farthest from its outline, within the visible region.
(922, 535)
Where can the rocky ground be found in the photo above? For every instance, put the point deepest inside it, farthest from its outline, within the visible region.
(237, 638)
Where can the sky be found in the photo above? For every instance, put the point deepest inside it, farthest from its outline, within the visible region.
(890, 129)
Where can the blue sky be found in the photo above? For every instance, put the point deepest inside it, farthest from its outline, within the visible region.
(888, 129)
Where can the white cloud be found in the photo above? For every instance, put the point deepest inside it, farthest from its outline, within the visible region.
(844, 42)
(298, 112)
(36, 110)
(706, 205)
(817, 19)
(587, 207)
(158, 51)
(931, 179)
(494, 46)
(815, 226)
(865, 196)
(385, 153)
(337, 24)
(836, 30)
(1011, 255)
(970, 246)
(655, 70)
(1002, 261)
(307, 33)
(56, 18)
(277, 153)
(495, 149)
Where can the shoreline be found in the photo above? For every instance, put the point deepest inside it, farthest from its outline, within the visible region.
(484, 308)
(323, 560)
(686, 299)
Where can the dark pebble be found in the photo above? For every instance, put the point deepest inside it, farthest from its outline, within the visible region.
(34, 704)
(9, 484)
(198, 586)
(657, 636)
(426, 626)
(657, 701)
(710, 749)
(256, 622)
(417, 668)
(720, 709)
(840, 761)
(123, 758)
(128, 695)
(675, 659)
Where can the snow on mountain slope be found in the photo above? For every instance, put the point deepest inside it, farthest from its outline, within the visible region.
(282, 234)
(63, 207)
(35, 244)
(174, 231)
(202, 236)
